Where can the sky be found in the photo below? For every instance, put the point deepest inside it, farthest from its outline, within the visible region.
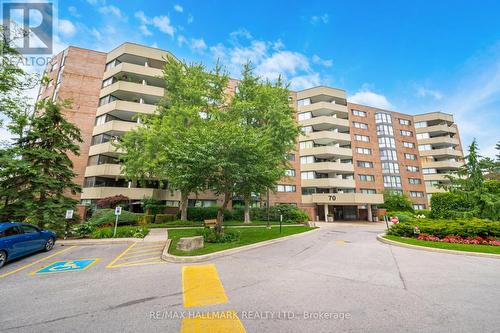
(411, 57)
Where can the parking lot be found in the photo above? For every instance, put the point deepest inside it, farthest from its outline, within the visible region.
(339, 278)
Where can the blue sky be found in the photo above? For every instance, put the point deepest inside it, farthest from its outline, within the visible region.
(411, 57)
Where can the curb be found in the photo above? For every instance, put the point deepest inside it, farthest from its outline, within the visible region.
(204, 257)
(104, 241)
(380, 238)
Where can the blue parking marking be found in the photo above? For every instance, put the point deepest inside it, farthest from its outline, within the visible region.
(67, 266)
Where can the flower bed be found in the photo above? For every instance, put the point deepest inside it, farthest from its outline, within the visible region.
(460, 240)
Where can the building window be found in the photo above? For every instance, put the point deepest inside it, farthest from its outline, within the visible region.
(112, 64)
(392, 181)
(306, 159)
(290, 157)
(432, 183)
(201, 203)
(108, 82)
(367, 178)
(308, 190)
(388, 167)
(285, 188)
(410, 156)
(358, 113)
(385, 130)
(386, 142)
(418, 207)
(421, 136)
(368, 191)
(107, 99)
(364, 151)
(307, 175)
(424, 147)
(365, 164)
(414, 181)
(307, 129)
(388, 155)
(303, 102)
(405, 122)
(411, 168)
(420, 124)
(406, 133)
(306, 144)
(363, 138)
(290, 172)
(407, 144)
(383, 118)
(172, 203)
(427, 171)
(359, 125)
(305, 116)
(416, 194)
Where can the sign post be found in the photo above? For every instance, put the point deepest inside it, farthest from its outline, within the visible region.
(281, 221)
(118, 211)
(69, 216)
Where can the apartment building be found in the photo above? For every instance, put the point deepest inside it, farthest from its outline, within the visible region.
(347, 155)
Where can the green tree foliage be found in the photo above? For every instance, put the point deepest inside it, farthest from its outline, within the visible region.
(36, 173)
(394, 201)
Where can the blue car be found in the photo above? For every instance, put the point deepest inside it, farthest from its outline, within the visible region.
(20, 239)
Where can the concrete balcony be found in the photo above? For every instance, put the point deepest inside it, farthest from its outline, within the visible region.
(326, 137)
(441, 153)
(326, 152)
(452, 165)
(133, 68)
(437, 129)
(106, 148)
(439, 141)
(132, 193)
(328, 167)
(139, 51)
(132, 88)
(328, 183)
(114, 127)
(325, 122)
(321, 91)
(432, 189)
(343, 198)
(325, 109)
(432, 116)
(125, 106)
(103, 170)
(436, 176)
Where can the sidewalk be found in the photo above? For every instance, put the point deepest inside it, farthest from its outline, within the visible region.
(155, 235)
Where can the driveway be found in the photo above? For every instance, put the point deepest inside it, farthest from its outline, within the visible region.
(338, 279)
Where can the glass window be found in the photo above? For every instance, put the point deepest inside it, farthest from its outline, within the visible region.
(12, 231)
(383, 118)
(367, 178)
(427, 171)
(28, 229)
(424, 147)
(420, 124)
(306, 144)
(307, 175)
(414, 181)
(423, 136)
(290, 157)
(407, 144)
(360, 125)
(108, 82)
(290, 172)
(388, 155)
(411, 168)
(368, 191)
(406, 133)
(418, 207)
(305, 116)
(392, 181)
(307, 129)
(385, 130)
(364, 151)
(107, 99)
(385, 142)
(416, 194)
(306, 159)
(308, 190)
(365, 164)
(305, 101)
(358, 113)
(410, 156)
(363, 138)
(285, 188)
(388, 167)
(405, 122)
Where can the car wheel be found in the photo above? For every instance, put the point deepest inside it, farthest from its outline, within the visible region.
(49, 245)
(3, 258)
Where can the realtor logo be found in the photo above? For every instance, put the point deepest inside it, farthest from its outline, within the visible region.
(29, 25)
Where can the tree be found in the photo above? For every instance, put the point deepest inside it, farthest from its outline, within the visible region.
(395, 201)
(160, 148)
(112, 202)
(264, 108)
(36, 172)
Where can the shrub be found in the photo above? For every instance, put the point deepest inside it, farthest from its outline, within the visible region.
(83, 229)
(290, 213)
(441, 228)
(147, 219)
(205, 213)
(396, 202)
(162, 218)
(425, 212)
(448, 205)
(121, 232)
(225, 236)
(103, 217)
(402, 216)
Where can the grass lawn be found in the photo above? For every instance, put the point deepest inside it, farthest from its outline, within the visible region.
(248, 236)
(176, 224)
(447, 246)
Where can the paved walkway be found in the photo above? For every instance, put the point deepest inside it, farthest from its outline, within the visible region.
(156, 235)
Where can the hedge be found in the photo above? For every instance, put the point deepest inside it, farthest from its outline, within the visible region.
(161, 218)
(147, 219)
(441, 228)
(449, 205)
(102, 217)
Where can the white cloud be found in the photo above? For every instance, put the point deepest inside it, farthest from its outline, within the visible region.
(178, 8)
(283, 62)
(323, 62)
(66, 28)
(162, 23)
(325, 18)
(144, 30)
(197, 45)
(73, 11)
(112, 10)
(181, 40)
(424, 92)
(142, 17)
(190, 19)
(155, 45)
(370, 98)
(305, 81)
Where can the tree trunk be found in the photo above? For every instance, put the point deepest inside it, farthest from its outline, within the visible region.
(246, 211)
(220, 211)
(184, 204)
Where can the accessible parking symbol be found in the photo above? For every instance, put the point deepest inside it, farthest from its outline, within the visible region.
(67, 266)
